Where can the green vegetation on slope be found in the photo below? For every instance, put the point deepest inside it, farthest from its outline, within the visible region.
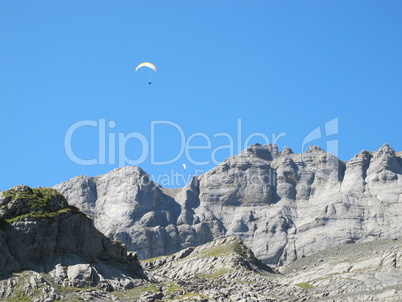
(225, 250)
(22, 202)
(37, 199)
(43, 214)
(305, 285)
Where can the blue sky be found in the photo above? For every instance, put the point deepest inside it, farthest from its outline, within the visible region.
(278, 67)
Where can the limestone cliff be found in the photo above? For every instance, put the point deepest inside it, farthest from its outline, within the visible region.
(39, 231)
(282, 205)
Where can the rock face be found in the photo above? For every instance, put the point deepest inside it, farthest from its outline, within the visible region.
(39, 231)
(282, 205)
(368, 271)
(226, 270)
(220, 256)
(127, 206)
(222, 270)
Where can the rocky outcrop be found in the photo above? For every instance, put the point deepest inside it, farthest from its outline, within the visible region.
(227, 254)
(222, 270)
(40, 232)
(283, 205)
(368, 271)
(127, 206)
(226, 270)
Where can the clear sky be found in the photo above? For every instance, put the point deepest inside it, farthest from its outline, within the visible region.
(269, 67)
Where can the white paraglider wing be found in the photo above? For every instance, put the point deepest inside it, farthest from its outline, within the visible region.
(146, 64)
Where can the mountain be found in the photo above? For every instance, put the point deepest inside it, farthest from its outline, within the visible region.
(226, 270)
(50, 251)
(282, 205)
(44, 241)
(222, 270)
(366, 271)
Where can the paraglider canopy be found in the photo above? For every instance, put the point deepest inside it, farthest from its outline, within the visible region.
(149, 70)
(146, 64)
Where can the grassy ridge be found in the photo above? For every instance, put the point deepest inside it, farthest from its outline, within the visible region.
(33, 202)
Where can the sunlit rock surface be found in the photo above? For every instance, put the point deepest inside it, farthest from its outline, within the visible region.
(283, 205)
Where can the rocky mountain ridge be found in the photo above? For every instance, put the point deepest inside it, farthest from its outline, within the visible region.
(41, 233)
(282, 205)
(226, 270)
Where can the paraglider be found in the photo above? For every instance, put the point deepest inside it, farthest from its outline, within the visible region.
(151, 69)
